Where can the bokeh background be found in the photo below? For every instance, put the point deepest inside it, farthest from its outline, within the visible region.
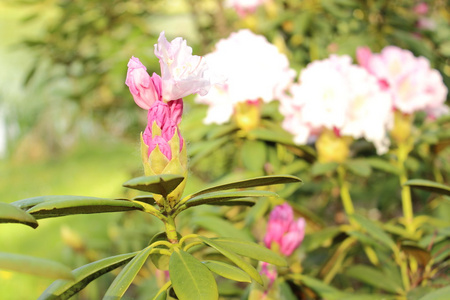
(68, 124)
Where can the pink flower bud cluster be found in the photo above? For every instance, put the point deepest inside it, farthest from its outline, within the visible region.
(244, 7)
(254, 69)
(336, 95)
(410, 81)
(283, 230)
(182, 74)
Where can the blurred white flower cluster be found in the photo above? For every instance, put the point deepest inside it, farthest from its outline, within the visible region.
(254, 70)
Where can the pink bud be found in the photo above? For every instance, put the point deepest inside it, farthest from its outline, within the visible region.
(421, 8)
(284, 230)
(145, 89)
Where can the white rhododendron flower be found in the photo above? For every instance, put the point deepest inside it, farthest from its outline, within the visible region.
(244, 7)
(255, 70)
(410, 81)
(337, 95)
(182, 73)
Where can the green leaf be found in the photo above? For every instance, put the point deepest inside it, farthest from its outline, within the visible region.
(359, 167)
(72, 205)
(127, 275)
(64, 289)
(428, 185)
(323, 168)
(374, 230)
(248, 183)
(373, 277)
(33, 265)
(28, 203)
(190, 278)
(251, 250)
(440, 294)
(13, 214)
(248, 268)
(236, 202)
(254, 155)
(161, 261)
(227, 271)
(160, 184)
(319, 238)
(226, 195)
(221, 227)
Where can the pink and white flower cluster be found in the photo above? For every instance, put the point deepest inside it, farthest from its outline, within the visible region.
(283, 230)
(244, 7)
(182, 74)
(411, 83)
(337, 95)
(254, 69)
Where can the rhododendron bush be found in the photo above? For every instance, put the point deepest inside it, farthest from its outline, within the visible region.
(289, 150)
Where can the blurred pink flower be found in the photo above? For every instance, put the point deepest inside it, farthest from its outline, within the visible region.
(283, 230)
(412, 84)
(335, 94)
(244, 7)
(182, 73)
(167, 116)
(254, 69)
(145, 89)
(421, 8)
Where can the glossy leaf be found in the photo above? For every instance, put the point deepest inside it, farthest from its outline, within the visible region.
(73, 205)
(248, 268)
(236, 202)
(13, 214)
(249, 183)
(374, 230)
(127, 275)
(373, 277)
(440, 294)
(252, 250)
(428, 185)
(160, 184)
(28, 203)
(227, 271)
(215, 197)
(33, 265)
(64, 289)
(190, 278)
(221, 227)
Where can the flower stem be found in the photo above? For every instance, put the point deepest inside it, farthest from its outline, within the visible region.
(171, 230)
(345, 192)
(402, 154)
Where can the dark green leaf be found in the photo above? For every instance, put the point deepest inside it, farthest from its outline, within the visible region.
(440, 294)
(359, 167)
(221, 227)
(146, 199)
(323, 168)
(33, 265)
(72, 205)
(253, 182)
(13, 214)
(251, 250)
(160, 184)
(227, 195)
(248, 268)
(64, 289)
(373, 277)
(190, 278)
(236, 202)
(382, 165)
(227, 271)
(374, 230)
(429, 186)
(254, 155)
(127, 275)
